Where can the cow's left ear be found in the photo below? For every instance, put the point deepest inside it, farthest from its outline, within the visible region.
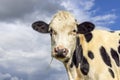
(40, 26)
(85, 27)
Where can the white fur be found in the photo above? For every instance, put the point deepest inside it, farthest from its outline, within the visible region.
(63, 25)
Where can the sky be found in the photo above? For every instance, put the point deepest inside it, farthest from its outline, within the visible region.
(24, 53)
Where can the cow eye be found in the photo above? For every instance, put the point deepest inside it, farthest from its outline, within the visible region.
(74, 31)
(52, 32)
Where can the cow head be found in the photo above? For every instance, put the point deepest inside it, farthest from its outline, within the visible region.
(64, 31)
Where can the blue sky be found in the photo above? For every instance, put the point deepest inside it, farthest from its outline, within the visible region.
(24, 53)
(109, 6)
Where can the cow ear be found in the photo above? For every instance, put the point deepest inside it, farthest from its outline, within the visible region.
(85, 27)
(40, 26)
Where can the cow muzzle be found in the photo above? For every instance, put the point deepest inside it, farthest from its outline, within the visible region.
(60, 52)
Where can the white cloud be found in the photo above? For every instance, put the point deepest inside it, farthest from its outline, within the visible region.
(25, 51)
(83, 11)
(76, 9)
(104, 19)
(7, 76)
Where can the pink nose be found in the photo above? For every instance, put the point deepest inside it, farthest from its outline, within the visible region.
(60, 52)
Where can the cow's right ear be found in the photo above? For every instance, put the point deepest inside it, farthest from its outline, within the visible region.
(85, 27)
(40, 26)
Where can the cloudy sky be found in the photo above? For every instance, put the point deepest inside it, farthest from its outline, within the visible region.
(24, 53)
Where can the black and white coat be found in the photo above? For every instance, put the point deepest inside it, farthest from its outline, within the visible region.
(87, 54)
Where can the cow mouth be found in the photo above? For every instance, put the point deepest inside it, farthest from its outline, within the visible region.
(60, 56)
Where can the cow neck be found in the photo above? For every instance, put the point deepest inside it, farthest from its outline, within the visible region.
(73, 64)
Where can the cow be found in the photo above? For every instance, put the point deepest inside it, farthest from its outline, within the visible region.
(87, 53)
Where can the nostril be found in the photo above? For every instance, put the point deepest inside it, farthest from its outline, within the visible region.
(60, 51)
(65, 51)
(56, 49)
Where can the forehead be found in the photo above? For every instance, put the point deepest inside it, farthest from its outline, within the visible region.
(63, 21)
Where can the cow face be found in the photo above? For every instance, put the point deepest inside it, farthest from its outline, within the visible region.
(64, 31)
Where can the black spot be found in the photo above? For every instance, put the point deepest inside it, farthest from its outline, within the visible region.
(67, 60)
(74, 60)
(88, 36)
(115, 57)
(71, 65)
(78, 58)
(77, 41)
(119, 49)
(105, 56)
(90, 55)
(77, 55)
(111, 72)
(119, 41)
(84, 66)
(112, 31)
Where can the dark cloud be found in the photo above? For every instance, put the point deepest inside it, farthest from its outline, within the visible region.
(11, 10)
